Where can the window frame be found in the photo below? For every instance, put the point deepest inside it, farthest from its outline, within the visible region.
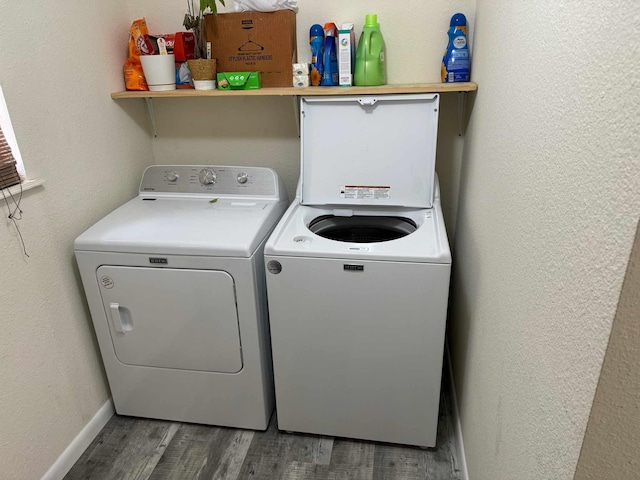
(10, 136)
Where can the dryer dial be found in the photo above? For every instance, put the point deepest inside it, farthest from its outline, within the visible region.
(173, 176)
(207, 176)
(242, 178)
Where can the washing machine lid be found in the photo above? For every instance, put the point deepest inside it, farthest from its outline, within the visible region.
(369, 150)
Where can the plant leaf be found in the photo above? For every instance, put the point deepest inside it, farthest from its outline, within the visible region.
(190, 22)
(211, 4)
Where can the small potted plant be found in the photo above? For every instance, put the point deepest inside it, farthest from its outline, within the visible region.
(203, 68)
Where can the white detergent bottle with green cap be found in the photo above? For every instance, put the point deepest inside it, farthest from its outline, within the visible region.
(370, 62)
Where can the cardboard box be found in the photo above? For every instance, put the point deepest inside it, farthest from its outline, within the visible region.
(181, 44)
(346, 54)
(184, 46)
(255, 41)
(239, 80)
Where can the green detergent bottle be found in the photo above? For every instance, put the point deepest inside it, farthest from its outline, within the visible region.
(370, 67)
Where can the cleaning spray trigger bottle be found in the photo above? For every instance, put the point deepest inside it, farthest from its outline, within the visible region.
(316, 40)
(455, 62)
(330, 76)
(370, 62)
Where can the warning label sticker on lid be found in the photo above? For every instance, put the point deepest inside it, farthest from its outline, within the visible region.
(365, 192)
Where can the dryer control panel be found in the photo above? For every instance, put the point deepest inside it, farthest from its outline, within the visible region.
(210, 180)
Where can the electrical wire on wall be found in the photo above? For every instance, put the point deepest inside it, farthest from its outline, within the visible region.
(15, 212)
(9, 177)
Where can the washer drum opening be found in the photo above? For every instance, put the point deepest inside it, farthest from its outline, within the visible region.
(362, 228)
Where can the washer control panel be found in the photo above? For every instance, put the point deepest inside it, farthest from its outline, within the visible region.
(207, 176)
(209, 179)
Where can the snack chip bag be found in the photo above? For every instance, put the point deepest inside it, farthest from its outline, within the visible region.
(139, 44)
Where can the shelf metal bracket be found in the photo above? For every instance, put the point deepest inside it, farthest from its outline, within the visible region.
(462, 106)
(152, 115)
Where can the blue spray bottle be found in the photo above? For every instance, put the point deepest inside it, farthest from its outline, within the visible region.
(330, 76)
(455, 62)
(316, 40)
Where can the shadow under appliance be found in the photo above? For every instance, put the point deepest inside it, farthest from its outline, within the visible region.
(174, 280)
(358, 274)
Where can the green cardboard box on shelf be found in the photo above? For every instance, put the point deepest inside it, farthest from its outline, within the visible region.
(254, 42)
(239, 80)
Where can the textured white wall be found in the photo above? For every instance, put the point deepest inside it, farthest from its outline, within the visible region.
(262, 131)
(610, 448)
(59, 62)
(548, 207)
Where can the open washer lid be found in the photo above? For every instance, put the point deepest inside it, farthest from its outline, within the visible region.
(369, 150)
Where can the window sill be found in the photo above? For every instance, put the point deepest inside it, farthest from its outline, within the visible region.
(26, 185)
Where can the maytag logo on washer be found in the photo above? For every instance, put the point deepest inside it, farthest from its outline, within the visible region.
(158, 260)
(274, 267)
(353, 268)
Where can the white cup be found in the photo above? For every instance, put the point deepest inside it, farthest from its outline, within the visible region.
(160, 72)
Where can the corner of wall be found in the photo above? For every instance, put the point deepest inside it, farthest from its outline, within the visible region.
(610, 446)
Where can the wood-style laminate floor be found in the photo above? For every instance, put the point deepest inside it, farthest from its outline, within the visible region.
(135, 448)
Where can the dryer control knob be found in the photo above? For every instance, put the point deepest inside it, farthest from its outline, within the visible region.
(207, 176)
(173, 176)
(243, 177)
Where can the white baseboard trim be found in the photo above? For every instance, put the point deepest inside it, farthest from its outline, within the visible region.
(72, 453)
(462, 459)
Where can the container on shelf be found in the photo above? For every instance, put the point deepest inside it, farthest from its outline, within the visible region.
(370, 55)
(455, 62)
(159, 71)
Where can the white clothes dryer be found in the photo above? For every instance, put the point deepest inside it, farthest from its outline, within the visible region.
(174, 280)
(358, 274)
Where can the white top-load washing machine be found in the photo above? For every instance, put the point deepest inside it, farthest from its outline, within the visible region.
(174, 280)
(358, 274)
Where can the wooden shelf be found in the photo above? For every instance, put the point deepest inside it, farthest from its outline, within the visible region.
(308, 91)
(461, 88)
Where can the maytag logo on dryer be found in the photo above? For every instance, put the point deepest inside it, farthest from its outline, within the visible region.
(353, 268)
(158, 260)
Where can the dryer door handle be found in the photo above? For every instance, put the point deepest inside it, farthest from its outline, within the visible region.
(120, 324)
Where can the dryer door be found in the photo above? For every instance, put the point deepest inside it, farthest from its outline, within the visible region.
(172, 318)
